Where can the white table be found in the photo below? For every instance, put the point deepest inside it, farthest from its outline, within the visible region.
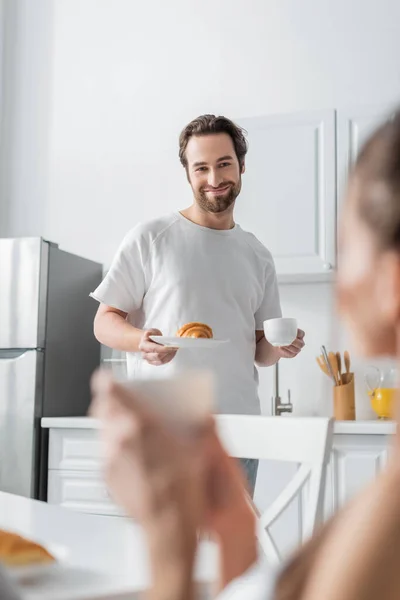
(114, 548)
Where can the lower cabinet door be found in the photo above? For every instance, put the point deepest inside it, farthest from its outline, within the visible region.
(83, 491)
(355, 463)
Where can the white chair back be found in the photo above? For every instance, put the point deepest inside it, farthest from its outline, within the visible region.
(304, 441)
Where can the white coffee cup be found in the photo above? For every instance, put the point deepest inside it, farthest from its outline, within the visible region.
(182, 401)
(280, 332)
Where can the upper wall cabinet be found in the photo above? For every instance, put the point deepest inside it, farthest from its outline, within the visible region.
(354, 125)
(289, 192)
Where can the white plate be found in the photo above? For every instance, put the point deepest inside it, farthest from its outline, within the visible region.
(65, 582)
(187, 342)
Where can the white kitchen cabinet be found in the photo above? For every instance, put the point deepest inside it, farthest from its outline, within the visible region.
(75, 478)
(354, 125)
(289, 192)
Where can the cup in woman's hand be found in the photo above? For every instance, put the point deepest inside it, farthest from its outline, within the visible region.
(183, 401)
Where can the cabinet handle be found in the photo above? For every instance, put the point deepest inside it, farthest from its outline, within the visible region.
(328, 267)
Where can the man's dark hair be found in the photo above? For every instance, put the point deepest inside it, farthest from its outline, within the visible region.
(209, 125)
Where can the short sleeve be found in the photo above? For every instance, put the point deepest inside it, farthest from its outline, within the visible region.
(124, 285)
(270, 307)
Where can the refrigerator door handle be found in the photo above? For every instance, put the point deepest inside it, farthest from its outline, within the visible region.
(23, 285)
(20, 399)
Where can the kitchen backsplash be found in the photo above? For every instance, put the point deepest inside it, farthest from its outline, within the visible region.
(311, 392)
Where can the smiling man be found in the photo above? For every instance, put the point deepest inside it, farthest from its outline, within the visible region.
(197, 265)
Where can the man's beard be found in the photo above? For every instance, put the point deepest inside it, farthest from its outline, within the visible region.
(218, 204)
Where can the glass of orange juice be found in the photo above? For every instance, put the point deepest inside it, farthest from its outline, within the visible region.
(382, 390)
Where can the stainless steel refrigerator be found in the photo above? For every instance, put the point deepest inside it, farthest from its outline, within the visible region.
(47, 353)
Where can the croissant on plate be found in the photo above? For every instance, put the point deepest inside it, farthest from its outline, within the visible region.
(16, 551)
(195, 330)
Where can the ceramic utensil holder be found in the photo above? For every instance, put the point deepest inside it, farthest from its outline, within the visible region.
(344, 406)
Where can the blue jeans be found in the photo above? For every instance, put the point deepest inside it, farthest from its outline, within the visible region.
(250, 468)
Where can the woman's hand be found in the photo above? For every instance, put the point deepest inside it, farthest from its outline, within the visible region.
(229, 515)
(158, 477)
(174, 486)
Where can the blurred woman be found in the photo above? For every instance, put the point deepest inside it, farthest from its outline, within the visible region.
(176, 486)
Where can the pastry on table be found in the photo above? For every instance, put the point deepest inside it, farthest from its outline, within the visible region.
(195, 330)
(17, 551)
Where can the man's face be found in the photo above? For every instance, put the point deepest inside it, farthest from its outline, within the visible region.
(213, 171)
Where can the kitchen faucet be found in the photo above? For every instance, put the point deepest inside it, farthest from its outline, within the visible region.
(277, 406)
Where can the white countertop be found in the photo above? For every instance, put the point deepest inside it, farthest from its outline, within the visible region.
(70, 423)
(340, 427)
(105, 558)
(372, 427)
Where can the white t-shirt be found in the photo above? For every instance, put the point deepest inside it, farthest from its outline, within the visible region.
(170, 271)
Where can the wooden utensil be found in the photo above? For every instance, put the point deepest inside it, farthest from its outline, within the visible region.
(347, 361)
(339, 362)
(322, 365)
(334, 366)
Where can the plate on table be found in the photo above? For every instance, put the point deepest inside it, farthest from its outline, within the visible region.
(187, 342)
(66, 582)
(58, 580)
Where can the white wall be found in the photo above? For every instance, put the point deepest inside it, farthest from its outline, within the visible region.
(122, 78)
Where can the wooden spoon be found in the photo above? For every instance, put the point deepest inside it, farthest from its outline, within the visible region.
(335, 367)
(347, 361)
(339, 362)
(323, 366)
